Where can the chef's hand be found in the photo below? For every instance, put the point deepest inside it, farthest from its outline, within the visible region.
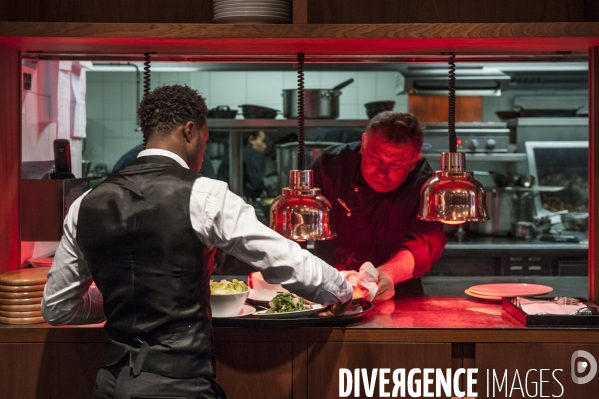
(385, 286)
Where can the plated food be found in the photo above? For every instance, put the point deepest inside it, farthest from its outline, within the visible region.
(227, 297)
(287, 302)
(289, 306)
(227, 287)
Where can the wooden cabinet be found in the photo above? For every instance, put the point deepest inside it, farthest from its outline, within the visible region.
(255, 369)
(48, 370)
(521, 363)
(325, 360)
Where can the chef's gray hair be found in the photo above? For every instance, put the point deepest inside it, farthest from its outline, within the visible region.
(397, 127)
(167, 107)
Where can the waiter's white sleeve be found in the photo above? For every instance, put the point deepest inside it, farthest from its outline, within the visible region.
(222, 219)
(68, 297)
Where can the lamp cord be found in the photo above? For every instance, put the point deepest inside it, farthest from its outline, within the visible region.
(147, 86)
(451, 101)
(301, 161)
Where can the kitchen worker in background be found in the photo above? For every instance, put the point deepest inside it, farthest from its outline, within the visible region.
(130, 156)
(374, 187)
(254, 164)
(146, 237)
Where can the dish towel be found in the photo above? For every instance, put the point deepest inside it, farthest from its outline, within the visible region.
(365, 280)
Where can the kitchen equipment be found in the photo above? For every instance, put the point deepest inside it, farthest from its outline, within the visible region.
(548, 113)
(560, 163)
(499, 179)
(376, 107)
(258, 112)
(521, 112)
(286, 157)
(578, 221)
(507, 114)
(318, 103)
(222, 111)
(62, 160)
(499, 208)
(485, 137)
(524, 230)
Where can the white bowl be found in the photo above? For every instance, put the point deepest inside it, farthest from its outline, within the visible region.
(227, 304)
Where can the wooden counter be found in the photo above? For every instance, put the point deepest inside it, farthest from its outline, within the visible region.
(439, 330)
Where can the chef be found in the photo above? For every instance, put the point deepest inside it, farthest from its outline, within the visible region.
(374, 187)
(254, 164)
(146, 237)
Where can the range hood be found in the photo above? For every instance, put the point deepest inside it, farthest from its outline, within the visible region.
(470, 80)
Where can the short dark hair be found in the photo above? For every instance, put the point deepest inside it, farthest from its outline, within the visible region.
(167, 107)
(397, 127)
(247, 135)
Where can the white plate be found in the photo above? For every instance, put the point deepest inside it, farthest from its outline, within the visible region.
(290, 315)
(242, 6)
(510, 290)
(249, 19)
(259, 298)
(257, 11)
(246, 310)
(252, 3)
(485, 297)
(41, 262)
(252, 13)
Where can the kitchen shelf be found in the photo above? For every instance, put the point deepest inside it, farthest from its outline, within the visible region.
(572, 121)
(87, 38)
(252, 124)
(496, 157)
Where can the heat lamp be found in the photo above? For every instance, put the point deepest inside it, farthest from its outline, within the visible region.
(452, 195)
(301, 213)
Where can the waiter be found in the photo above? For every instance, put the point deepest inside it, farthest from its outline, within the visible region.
(146, 236)
(374, 187)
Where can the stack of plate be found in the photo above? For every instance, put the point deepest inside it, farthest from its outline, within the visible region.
(494, 292)
(41, 262)
(21, 294)
(252, 11)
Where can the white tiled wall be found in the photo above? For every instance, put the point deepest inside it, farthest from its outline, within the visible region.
(111, 100)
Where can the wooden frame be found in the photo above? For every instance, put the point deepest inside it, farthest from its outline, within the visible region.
(244, 40)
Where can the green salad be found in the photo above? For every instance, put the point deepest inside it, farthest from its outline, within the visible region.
(287, 302)
(227, 287)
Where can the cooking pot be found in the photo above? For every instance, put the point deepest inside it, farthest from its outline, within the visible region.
(505, 206)
(222, 111)
(258, 112)
(318, 103)
(376, 107)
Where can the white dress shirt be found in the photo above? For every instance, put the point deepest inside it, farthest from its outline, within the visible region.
(220, 219)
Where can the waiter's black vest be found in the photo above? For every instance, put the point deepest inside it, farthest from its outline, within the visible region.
(136, 235)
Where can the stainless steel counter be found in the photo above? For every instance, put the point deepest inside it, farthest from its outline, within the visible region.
(505, 246)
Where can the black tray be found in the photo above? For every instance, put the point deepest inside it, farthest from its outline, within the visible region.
(562, 321)
(353, 315)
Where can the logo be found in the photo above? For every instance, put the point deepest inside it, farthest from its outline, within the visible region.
(578, 366)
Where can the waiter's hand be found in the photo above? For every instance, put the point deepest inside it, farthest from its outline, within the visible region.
(336, 309)
(386, 288)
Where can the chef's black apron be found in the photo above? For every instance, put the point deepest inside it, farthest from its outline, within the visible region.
(135, 232)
